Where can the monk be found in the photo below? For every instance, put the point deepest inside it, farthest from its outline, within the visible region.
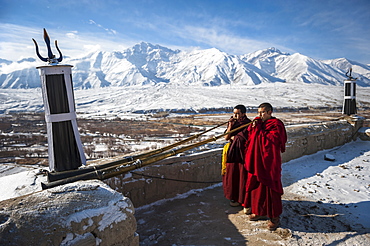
(266, 141)
(235, 177)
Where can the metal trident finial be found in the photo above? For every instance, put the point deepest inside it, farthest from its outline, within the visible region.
(51, 57)
(350, 74)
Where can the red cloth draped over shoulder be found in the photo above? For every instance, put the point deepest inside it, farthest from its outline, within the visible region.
(262, 155)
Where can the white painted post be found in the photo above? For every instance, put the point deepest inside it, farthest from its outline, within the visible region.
(64, 143)
(349, 103)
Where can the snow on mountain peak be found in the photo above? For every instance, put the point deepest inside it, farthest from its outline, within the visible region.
(145, 63)
(263, 55)
(148, 51)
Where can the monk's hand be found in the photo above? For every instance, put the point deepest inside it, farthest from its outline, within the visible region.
(232, 120)
(257, 122)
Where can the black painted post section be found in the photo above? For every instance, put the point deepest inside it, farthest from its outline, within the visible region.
(65, 147)
(349, 104)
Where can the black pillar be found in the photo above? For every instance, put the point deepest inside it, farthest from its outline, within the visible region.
(64, 143)
(349, 103)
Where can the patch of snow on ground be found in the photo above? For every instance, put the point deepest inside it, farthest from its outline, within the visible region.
(344, 181)
(20, 184)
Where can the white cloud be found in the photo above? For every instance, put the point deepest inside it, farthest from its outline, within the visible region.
(72, 34)
(226, 41)
(92, 22)
(16, 42)
(92, 47)
(108, 30)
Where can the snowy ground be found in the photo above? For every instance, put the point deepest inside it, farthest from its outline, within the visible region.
(121, 101)
(325, 203)
(343, 182)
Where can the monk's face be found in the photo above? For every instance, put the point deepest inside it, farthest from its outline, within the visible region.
(264, 114)
(238, 114)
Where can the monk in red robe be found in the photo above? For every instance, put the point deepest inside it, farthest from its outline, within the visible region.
(235, 177)
(266, 141)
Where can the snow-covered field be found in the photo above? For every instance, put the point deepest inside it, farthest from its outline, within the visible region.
(122, 101)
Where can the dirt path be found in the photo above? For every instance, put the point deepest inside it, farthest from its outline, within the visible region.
(204, 217)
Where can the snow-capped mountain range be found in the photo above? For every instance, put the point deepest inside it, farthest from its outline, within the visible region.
(147, 64)
(151, 78)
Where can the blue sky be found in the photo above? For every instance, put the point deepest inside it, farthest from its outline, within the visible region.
(324, 29)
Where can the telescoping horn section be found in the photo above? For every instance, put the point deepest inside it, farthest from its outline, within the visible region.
(117, 168)
(67, 174)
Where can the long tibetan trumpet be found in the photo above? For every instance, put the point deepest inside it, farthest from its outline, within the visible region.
(115, 170)
(66, 174)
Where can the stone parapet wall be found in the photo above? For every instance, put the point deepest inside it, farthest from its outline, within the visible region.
(205, 167)
(307, 139)
(201, 167)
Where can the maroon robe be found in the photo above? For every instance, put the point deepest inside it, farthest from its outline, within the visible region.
(235, 178)
(266, 140)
